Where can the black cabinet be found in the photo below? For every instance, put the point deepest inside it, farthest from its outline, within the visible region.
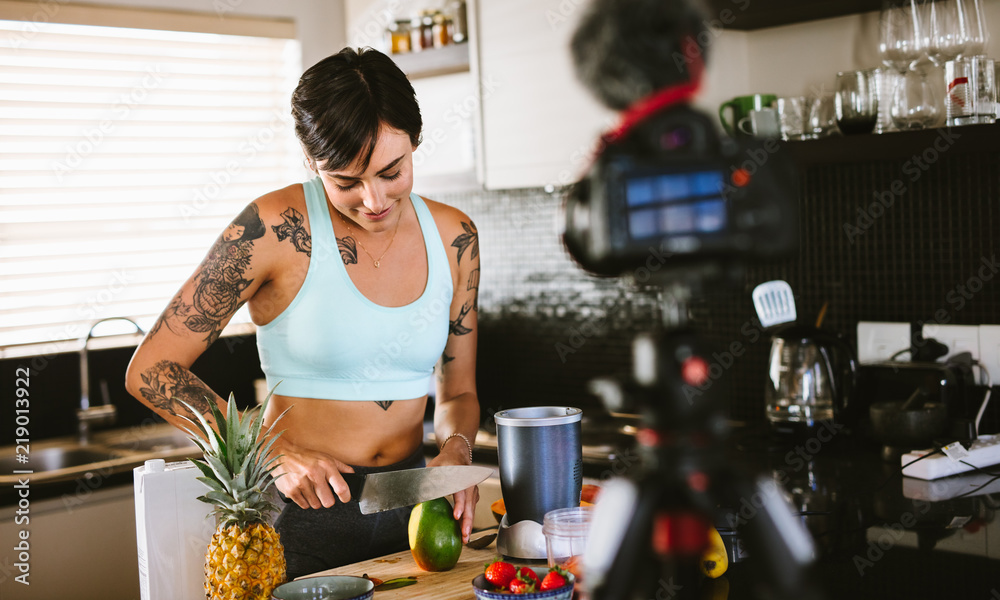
(746, 15)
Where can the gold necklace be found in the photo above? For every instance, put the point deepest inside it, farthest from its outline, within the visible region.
(375, 261)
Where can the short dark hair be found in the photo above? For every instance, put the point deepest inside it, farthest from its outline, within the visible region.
(341, 102)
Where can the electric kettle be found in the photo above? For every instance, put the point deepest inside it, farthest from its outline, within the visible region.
(811, 380)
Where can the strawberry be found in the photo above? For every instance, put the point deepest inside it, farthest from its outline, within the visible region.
(500, 573)
(528, 575)
(554, 579)
(522, 584)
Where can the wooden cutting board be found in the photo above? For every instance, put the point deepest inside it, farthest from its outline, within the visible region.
(455, 584)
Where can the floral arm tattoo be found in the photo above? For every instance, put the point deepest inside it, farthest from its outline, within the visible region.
(219, 282)
(166, 384)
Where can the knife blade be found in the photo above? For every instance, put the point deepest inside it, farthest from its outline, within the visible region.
(379, 492)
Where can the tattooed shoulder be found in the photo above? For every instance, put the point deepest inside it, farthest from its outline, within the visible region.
(221, 278)
(469, 240)
(293, 229)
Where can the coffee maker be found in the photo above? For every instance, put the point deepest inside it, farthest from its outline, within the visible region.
(811, 380)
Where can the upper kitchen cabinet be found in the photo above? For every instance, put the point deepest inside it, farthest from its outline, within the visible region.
(748, 15)
(444, 79)
(539, 123)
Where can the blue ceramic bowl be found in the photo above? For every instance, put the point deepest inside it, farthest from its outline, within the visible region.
(484, 590)
(330, 587)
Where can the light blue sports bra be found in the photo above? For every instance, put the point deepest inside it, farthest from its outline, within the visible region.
(333, 343)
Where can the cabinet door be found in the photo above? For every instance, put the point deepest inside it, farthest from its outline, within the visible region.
(540, 124)
(80, 546)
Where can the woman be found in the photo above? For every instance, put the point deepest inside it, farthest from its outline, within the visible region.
(360, 290)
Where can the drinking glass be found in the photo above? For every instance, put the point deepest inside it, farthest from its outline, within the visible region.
(821, 116)
(792, 117)
(901, 36)
(856, 101)
(971, 90)
(915, 102)
(946, 24)
(887, 78)
(978, 32)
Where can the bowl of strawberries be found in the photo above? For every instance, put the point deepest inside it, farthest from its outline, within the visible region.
(500, 580)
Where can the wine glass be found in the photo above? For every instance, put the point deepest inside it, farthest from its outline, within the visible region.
(978, 34)
(901, 35)
(946, 25)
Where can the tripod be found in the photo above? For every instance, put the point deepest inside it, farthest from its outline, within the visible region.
(650, 531)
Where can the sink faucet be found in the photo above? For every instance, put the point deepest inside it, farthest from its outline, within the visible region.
(103, 414)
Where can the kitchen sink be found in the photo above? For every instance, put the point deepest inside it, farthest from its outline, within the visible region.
(170, 441)
(53, 459)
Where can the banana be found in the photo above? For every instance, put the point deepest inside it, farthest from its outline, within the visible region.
(714, 561)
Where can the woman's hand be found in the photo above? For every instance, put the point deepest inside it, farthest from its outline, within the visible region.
(465, 501)
(309, 478)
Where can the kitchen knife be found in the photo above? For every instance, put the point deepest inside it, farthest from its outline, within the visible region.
(392, 489)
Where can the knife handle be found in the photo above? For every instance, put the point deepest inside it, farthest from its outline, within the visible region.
(355, 483)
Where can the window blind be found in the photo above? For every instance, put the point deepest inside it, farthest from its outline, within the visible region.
(124, 152)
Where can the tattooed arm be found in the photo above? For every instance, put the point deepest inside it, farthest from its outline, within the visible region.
(230, 274)
(456, 408)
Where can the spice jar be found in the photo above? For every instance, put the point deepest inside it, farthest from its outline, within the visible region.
(416, 37)
(460, 31)
(399, 37)
(442, 30)
(426, 30)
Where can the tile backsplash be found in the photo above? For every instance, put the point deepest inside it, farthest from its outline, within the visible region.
(547, 327)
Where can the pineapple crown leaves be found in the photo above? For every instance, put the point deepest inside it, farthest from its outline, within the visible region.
(233, 468)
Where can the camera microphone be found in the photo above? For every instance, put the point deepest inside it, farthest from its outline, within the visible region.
(625, 50)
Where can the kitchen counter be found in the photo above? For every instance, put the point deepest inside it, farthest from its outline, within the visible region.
(877, 534)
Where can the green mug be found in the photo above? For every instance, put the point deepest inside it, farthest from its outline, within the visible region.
(741, 107)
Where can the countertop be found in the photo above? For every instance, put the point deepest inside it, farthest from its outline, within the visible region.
(877, 534)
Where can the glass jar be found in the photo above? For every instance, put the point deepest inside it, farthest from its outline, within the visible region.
(460, 32)
(566, 531)
(399, 37)
(442, 30)
(426, 30)
(416, 36)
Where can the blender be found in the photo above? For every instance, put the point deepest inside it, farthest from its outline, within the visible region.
(541, 470)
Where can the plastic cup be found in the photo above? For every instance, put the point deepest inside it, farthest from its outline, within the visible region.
(566, 531)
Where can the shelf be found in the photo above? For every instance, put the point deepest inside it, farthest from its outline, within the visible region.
(747, 15)
(437, 61)
(900, 145)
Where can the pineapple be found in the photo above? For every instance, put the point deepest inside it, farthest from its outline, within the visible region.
(245, 559)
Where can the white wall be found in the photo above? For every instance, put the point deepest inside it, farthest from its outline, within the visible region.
(804, 57)
(319, 24)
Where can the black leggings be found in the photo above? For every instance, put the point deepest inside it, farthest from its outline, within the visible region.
(324, 538)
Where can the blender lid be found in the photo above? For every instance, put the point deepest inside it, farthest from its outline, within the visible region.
(538, 416)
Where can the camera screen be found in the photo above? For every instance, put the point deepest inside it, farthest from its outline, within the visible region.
(675, 204)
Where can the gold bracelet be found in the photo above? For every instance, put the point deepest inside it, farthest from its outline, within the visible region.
(464, 439)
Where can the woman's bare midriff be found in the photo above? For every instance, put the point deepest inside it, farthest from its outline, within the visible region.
(353, 432)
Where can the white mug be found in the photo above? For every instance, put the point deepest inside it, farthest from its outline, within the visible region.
(761, 123)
